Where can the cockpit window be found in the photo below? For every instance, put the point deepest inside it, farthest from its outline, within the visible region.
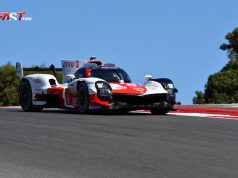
(111, 75)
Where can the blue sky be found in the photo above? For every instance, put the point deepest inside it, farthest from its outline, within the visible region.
(175, 39)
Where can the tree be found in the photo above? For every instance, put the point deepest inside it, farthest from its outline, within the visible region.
(200, 98)
(232, 46)
(8, 85)
(222, 87)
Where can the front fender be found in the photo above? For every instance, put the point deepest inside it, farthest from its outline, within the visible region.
(154, 87)
(90, 82)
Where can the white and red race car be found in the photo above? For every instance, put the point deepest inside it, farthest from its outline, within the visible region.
(91, 85)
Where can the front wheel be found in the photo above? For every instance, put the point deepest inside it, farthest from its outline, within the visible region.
(83, 98)
(159, 111)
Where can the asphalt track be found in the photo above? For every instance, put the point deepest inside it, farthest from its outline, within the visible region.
(57, 143)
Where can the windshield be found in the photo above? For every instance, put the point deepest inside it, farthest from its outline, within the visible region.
(112, 75)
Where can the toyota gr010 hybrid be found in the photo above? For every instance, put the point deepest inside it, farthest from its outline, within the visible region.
(92, 85)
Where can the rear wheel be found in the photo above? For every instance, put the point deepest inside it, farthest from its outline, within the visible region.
(83, 98)
(25, 97)
(159, 111)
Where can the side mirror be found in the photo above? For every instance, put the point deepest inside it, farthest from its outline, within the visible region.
(147, 77)
(70, 78)
(176, 90)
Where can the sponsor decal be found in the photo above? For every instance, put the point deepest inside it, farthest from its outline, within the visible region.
(128, 88)
(70, 67)
(117, 87)
(14, 16)
(70, 64)
(139, 89)
(70, 99)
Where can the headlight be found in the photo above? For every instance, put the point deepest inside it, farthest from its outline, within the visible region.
(100, 85)
(103, 85)
(103, 90)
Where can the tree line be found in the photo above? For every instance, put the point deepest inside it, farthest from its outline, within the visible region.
(9, 83)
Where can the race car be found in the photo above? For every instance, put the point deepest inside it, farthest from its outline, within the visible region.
(91, 85)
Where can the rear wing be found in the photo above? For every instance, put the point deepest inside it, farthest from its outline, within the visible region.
(20, 70)
(69, 67)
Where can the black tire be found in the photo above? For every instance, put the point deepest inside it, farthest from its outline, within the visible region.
(25, 97)
(83, 98)
(159, 111)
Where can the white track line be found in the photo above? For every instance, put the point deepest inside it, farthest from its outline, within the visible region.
(205, 115)
(215, 116)
(10, 107)
(199, 114)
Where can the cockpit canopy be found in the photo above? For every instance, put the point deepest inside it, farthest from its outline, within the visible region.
(109, 74)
